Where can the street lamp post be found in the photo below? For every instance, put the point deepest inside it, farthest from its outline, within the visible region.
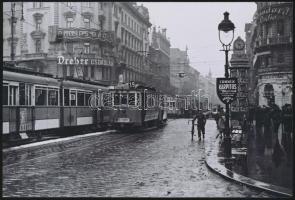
(199, 97)
(226, 36)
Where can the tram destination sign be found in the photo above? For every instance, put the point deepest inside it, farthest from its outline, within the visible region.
(227, 89)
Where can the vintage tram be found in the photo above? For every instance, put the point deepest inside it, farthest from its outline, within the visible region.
(37, 105)
(135, 106)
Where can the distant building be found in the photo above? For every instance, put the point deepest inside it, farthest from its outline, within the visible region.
(159, 56)
(182, 76)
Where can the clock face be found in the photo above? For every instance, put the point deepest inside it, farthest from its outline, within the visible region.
(239, 45)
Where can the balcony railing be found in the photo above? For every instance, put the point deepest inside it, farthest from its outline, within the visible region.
(274, 40)
(35, 55)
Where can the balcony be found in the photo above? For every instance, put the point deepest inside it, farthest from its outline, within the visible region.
(86, 9)
(277, 40)
(35, 56)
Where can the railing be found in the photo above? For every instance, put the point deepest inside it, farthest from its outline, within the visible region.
(274, 40)
(35, 55)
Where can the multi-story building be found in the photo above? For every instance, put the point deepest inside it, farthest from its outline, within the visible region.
(159, 55)
(182, 76)
(272, 45)
(93, 41)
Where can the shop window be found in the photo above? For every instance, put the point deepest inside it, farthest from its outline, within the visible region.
(66, 97)
(53, 97)
(73, 98)
(40, 96)
(5, 94)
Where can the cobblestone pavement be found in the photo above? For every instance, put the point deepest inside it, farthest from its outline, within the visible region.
(159, 163)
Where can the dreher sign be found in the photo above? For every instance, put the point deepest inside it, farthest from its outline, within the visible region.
(227, 89)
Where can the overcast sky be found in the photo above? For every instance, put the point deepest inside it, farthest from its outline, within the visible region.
(195, 24)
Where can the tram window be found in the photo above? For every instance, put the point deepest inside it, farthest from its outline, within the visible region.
(138, 100)
(40, 96)
(116, 99)
(52, 97)
(107, 100)
(66, 97)
(73, 98)
(81, 98)
(22, 94)
(5, 94)
(124, 99)
(131, 99)
(87, 98)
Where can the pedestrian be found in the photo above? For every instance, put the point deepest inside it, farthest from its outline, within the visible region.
(287, 119)
(201, 125)
(193, 124)
(221, 125)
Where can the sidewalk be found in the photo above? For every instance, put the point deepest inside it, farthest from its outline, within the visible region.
(259, 160)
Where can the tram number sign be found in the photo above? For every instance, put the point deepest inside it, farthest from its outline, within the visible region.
(227, 89)
(131, 84)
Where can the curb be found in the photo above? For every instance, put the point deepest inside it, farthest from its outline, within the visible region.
(51, 141)
(213, 164)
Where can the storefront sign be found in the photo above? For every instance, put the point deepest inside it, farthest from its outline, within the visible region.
(61, 60)
(273, 13)
(227, 89)
(81, 34)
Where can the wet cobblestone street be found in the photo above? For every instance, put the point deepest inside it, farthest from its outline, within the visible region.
(158, 163)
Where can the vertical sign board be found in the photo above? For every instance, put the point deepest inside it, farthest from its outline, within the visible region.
(227, 89)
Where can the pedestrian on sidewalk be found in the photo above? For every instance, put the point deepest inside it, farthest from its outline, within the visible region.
(287, 119)
(221, 126)
(201, 125)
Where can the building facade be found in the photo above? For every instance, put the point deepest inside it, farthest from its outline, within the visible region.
(159, 56)
(182, 76)
(272, 45)
(95, 41)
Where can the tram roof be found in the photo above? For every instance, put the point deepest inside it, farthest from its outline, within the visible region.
(136, 86)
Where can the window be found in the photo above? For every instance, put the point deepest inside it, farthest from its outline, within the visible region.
(280, 25)
(40, 96)
(87, 22)
(81, 98)
(37, 4)
(70, 47)
(92, 71)
(53, 97)
(38, 45)
(5, 94)
(69, 22)
(73, 97)
(86, 48)
(87, 99)
(116, 99)
(25, 94)
(124, 99)
(131, 99)
(66, 97)
(38, 24)
(281, 58)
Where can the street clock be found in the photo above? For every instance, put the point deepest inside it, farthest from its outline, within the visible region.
(239, 44)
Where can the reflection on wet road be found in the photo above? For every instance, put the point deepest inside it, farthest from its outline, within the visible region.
(158, 163)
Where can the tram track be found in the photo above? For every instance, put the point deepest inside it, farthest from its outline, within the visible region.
(67, 147)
